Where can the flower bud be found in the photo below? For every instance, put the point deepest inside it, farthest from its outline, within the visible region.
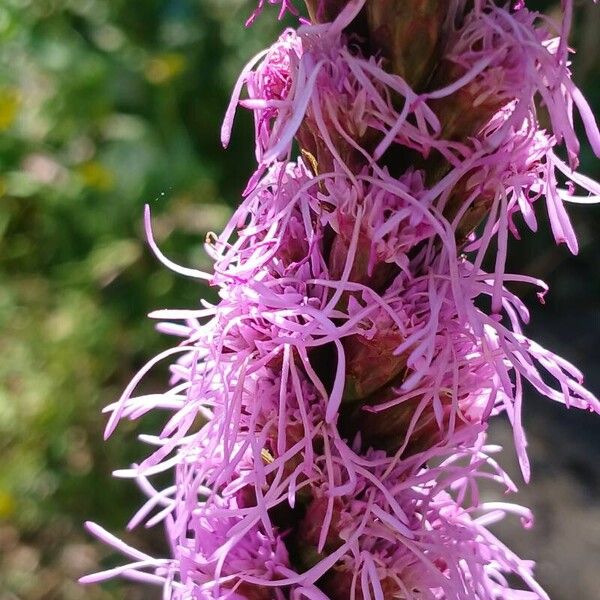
(248, 591)
(319, 156)
(339, 584)
(309, 531)
(371, 363)
(480, 39)
(409, 36)
(388, 429)
(376, 276)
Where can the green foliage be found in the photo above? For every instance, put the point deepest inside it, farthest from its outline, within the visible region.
(104, 106)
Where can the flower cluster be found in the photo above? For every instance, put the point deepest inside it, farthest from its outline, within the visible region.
(328, 415)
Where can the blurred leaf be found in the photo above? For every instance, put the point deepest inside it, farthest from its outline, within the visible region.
(107, 262)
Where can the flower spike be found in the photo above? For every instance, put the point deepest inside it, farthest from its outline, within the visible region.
(327, 418)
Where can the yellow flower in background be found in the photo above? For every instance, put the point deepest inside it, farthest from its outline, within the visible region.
(7, 504)
(162, 68)
(96, 175)
(10, 101)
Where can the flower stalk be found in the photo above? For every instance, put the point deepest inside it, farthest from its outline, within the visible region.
(329, 414)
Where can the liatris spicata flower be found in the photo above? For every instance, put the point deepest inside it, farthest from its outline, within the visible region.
(328, 416)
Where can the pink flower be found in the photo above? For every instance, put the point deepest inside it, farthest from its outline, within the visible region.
(327, 417)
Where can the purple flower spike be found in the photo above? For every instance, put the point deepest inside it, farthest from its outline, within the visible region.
(327, 417)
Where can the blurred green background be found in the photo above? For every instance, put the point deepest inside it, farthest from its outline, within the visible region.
(106, 105)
